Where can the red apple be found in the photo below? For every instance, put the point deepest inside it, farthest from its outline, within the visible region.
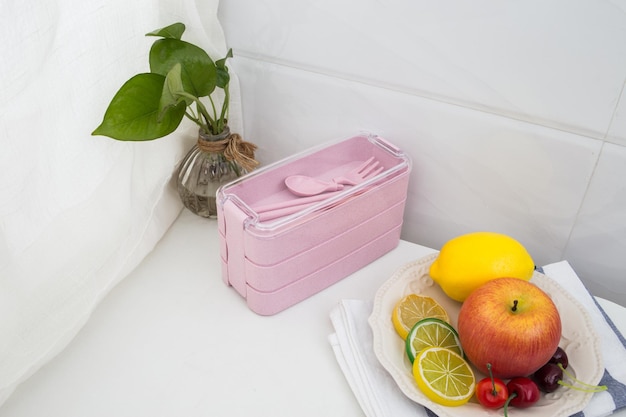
(511, 324)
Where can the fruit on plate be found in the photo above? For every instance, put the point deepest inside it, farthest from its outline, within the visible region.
(550, 376)
(444, 376)
(510, 323)
(491, 392)
(411, 309)
(431, 332)
(468, 261)
(559, 356)
(523, 392)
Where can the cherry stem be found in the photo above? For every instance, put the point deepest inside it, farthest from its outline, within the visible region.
(506, 404)
(494, 391)
(591, 388)
(514, 305)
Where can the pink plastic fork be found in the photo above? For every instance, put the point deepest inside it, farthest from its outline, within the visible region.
(359, 174)
(302, 185)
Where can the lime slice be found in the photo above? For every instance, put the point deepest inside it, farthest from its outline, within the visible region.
(413, 308)
(444, 376)
(432, 332)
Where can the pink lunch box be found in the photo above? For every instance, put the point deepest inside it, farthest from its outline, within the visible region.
(277, 258)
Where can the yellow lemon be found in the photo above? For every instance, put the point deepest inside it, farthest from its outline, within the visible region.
(411, 309)
(469, 261)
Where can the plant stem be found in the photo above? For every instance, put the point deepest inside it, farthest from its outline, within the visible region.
(193, 118)
(224, 115)
(235, 168)
(202, 111)
(215, 125)
(205, 114)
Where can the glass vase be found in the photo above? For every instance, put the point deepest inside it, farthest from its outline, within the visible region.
(201, 173)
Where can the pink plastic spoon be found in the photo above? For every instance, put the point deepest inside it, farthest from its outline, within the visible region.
(302, 185)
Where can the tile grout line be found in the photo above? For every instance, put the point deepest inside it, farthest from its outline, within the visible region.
(614, 114)
(582, 201)
(421, 94)
(593, 171)
(425, 95)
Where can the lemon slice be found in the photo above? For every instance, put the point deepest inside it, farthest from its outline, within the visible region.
(413, 308)
(431, 332)
(444, 376)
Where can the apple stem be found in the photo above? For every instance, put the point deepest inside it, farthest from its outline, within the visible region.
(514, 305)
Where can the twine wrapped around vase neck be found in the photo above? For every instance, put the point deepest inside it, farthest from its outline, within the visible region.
(234, 148)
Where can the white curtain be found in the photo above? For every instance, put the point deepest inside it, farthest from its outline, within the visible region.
(79, 212)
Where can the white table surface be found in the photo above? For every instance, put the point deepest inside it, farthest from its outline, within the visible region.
(173, 340)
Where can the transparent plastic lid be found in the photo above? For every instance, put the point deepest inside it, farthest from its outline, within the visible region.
(271, 206)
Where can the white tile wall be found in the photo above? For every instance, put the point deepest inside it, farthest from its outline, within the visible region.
(596, 247)
(512, 113)
(617, 129)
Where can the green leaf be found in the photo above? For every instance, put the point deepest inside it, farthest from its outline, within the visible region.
(172, 89)
(198, 72)
(174, 31)
(134, 115)
(223, 77)
(221, 63)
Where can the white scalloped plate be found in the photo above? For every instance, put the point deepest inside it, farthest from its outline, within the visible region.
(578, 338)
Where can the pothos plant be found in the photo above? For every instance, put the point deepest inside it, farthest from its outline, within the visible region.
(152, 105)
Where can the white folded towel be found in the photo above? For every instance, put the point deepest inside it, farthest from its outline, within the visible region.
(379, 396)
